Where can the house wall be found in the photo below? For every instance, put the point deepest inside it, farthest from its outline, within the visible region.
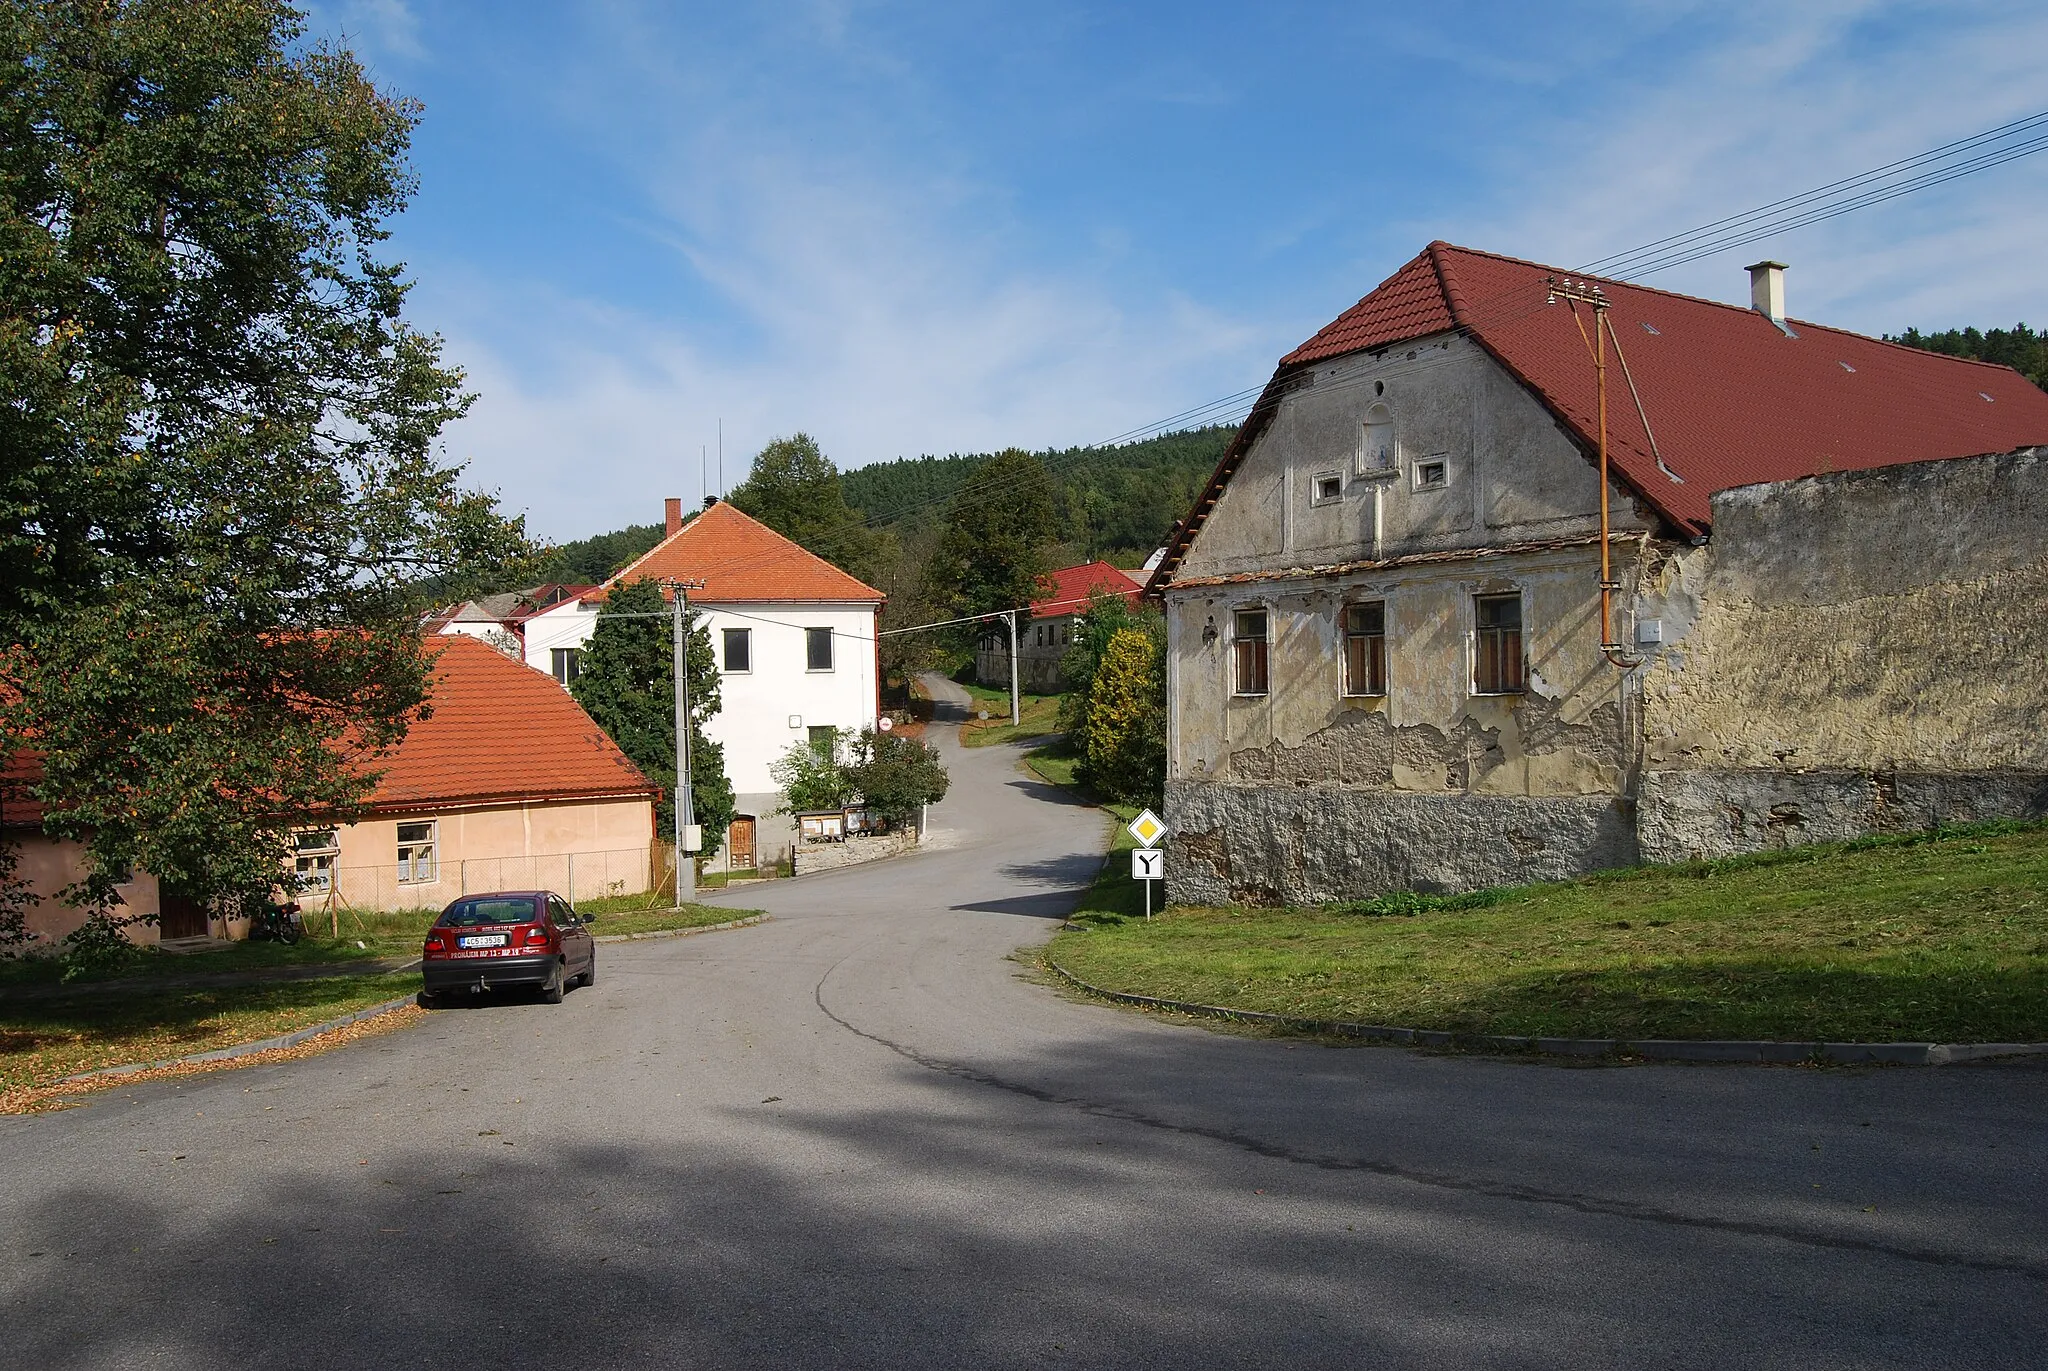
(1038, 662)
(499, 847)
(1303, 794)
(47, 865)
(1853, 652)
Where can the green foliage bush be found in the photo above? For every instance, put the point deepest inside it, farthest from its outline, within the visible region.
(1123, 742)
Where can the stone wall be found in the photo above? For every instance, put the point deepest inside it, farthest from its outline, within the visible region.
(1861, 651)
(811, 858)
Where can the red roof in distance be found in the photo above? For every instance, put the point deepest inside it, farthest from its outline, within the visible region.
(1070, 589)
(739, 558)
(1732, 400)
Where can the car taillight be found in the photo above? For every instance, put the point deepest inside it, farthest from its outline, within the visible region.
(536, 935)
(435, 947)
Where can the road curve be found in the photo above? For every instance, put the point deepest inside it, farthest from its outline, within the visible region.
(858, 1136)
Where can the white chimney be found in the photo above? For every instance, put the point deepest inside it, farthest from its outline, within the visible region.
(1767, 291)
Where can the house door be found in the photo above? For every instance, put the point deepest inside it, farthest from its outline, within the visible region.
(180, 916)
(739, 844)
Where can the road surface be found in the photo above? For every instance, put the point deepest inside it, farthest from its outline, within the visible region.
(857, 1136)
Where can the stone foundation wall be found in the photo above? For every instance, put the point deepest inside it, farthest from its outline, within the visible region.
(812, 858)
(1693, 814)
(1260, 845)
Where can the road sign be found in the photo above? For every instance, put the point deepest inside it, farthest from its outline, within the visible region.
(1148, 828)
(1148, 864)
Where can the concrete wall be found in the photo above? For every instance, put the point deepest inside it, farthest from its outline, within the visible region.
(1306, 794)
(1853, 652)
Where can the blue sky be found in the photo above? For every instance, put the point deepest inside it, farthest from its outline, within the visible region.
(915, 228)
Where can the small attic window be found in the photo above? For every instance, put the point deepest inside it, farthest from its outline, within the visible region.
(1846, 367)
(1652, 329)
(1329, 488)
(1987, 399)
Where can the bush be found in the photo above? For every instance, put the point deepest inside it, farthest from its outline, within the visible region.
(1123, 742)
(97, 947)
(895, 776)
(811, 778)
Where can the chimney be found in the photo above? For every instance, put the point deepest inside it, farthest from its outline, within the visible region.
(1767, 292)
(674, 510)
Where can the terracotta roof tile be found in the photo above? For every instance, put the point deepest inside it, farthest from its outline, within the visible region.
(1068, 590)
(739, 558)
(500, 730)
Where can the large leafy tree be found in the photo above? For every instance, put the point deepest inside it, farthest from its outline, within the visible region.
(794, 489)
(627, 685)
(994, 547)
(219, 482)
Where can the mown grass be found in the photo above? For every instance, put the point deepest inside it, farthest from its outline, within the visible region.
(1038, 717)
(45, 1042)
(1940, 937)
(364, 934)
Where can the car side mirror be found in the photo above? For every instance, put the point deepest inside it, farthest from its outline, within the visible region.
(588, 918)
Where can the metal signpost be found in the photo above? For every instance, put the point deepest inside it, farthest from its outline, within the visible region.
(1148, 863)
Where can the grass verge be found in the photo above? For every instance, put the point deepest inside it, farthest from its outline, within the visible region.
(1936, 937)
(1038, 717)
(40, 1044)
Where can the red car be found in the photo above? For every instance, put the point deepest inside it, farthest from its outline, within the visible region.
(509, 938)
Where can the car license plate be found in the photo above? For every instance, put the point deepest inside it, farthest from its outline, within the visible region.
(485, 940)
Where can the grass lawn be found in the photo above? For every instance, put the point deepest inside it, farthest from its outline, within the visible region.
(1038, 715)
(42, 1043)
(1938, 938)
(367, 933)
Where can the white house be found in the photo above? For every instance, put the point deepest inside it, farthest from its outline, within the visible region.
(795, 641)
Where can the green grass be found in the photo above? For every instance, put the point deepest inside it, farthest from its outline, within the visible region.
(1038, 718)
(41, 1043)
(1056, 762)
(1938, 937)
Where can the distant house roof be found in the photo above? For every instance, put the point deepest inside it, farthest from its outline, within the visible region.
(739, 558)
(509, 609)
(499, 730)
(1731, 398)
(1068, 590)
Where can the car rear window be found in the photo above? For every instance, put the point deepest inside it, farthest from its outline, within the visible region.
(471, 913)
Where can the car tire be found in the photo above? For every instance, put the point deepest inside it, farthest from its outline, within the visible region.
(590, 972)
(429, 1000)
(555, 989)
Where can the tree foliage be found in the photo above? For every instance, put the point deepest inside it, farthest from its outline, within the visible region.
(627, 684)
(2018, 347)
(795, 489)
(811, 776)
(219, 488)
(1123, 751)
(895, 776)
(993, 549)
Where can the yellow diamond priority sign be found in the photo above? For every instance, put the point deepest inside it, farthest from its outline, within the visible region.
(1148, 828)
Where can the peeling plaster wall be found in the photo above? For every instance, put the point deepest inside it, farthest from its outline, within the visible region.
(1854, 652)
(1305, 794)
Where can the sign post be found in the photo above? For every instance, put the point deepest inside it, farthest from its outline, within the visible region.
(1148, 863)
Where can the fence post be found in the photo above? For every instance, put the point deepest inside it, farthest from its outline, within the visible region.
(572, 878)
(463, 877)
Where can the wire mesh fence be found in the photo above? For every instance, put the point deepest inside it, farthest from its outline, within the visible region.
(576, 875)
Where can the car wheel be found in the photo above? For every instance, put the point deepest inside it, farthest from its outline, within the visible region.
(429, 1000)
(552, 992)
(590, 972)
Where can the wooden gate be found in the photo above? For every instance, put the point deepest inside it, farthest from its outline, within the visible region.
(739, 844)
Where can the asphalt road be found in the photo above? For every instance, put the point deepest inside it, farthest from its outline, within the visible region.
(855, 1136)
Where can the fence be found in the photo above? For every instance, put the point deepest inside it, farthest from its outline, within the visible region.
(577, 875)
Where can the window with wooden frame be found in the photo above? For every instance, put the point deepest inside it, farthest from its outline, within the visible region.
(313, 856)
(1365, 648)
(1248, 652)
(416, 859)
(1498, 667)
(566, 664)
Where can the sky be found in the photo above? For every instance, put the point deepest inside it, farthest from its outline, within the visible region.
(963, 226)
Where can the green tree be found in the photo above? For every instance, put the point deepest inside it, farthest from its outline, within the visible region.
(627, 684)
(2018, 347)
(1107, 615)
(794, 489)
(895, 776)
(220, 493)
(993, 548)
(811, 777)
(1123, 752)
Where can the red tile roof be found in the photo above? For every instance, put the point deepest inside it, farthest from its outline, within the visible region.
(739, 558)
(1068, 590)
(1732, 400)
(499, 730)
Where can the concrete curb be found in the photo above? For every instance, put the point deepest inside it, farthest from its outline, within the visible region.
(222, 1054)
(1654, 1049)
(681, 932)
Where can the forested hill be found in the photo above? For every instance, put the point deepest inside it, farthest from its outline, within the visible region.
(2018, 347)
(1116, 503)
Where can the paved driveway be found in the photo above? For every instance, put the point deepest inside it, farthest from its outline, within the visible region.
(855, 1137)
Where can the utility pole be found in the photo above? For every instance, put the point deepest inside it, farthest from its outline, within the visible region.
(1574, 294)
(1015, 717)
(688, 835)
